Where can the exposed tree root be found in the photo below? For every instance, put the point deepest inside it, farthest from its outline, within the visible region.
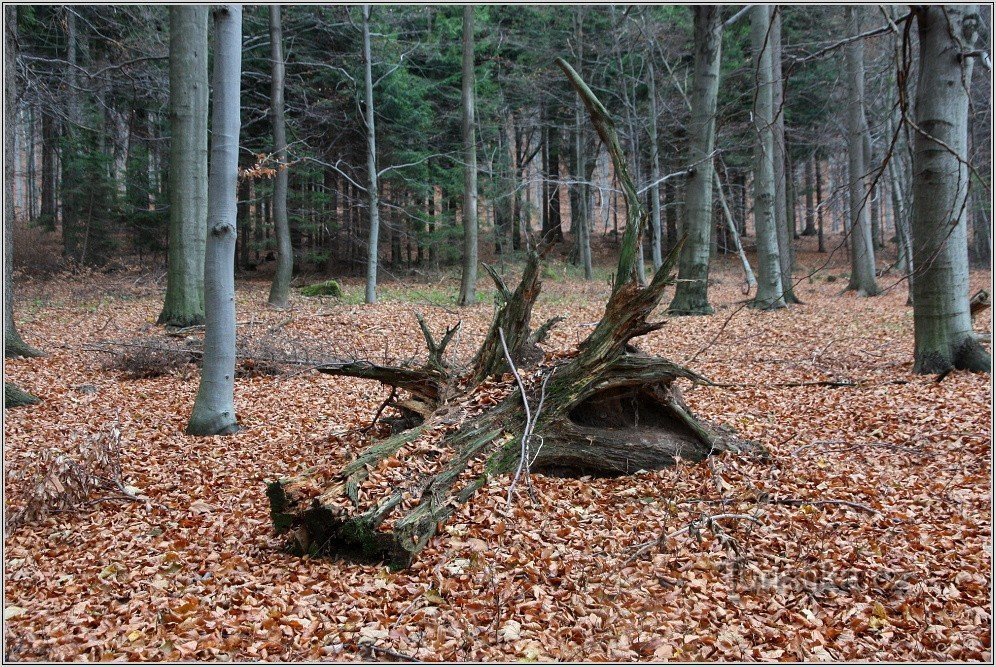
(607, 410)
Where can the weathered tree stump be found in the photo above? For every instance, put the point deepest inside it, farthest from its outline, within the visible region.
(606, 409)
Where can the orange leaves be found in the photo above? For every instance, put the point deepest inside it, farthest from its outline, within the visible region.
(197, 574)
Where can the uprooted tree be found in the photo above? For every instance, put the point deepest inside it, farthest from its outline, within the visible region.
(606, 409)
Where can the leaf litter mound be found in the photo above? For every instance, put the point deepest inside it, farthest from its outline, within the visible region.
(865, 533)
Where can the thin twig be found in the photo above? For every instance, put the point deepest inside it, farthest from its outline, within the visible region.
(707, 520)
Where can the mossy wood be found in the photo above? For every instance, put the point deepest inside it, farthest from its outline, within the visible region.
(608, 410)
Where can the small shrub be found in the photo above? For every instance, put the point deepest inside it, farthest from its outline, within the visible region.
(327, 288)
(148, 359)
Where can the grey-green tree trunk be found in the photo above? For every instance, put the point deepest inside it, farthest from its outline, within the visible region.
(942, 322)
(769, 272)
(71, 233)
(373, 196)
(783, 225)
(691, 293)
(468, 281)
(655, 164)
(280, 289)
(188, 165)
(862, 249)
(214, 407)
(13, 344)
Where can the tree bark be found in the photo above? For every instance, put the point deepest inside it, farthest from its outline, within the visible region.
(188, 196)
(769, 273)
(13, 344)
(468, 281)
(607, 410)
(655, 159)
(280, 289)
(691, 296)
(214, 407)
(862, 250)
(780, 154)
(73, 244)
(943, 336)
(810, 229)
(373, 196)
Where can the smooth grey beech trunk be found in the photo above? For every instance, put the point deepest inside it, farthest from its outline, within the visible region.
(862, 249)
(655, 162)
(280, 289)
(782, 222)
(942, 322)
(214, 408)
(691, 293)
(468, 281)
(13, 344)
(769, 272)
(373, 193)
(188, 165)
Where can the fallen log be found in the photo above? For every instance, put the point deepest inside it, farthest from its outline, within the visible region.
(606, 409)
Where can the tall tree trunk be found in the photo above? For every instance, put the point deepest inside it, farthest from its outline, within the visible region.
(784, 232)
(214, 407)
(13, 344)
(810, 229)
(942, 321)
(188, 165)
(49, 205)
(862, 251)
(769, 272)
(583, 216)
(670, 216)
(553, 230)
(468, 281)
(71, 147)
(691, 294)
(819, 203)
(655, 158)
(373, 195)
(280, 289)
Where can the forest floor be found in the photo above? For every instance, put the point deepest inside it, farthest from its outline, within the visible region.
(192, 571)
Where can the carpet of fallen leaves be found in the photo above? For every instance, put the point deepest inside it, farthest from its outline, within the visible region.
(193, 572)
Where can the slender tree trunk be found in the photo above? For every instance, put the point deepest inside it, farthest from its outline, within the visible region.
(734, 234)
(655, 159)
(942, 321)
(71, 147)
(819, 203)
(188, 189)
(468, 281)
(583, 216)
(862, 250)
(554, 230)
(769, 273)
(691, 294)
(280, 289)
(13, 344)
(372, 187)
(214, 408)
(784, 232)
(49, 207)
(670, 216)
(810, 229)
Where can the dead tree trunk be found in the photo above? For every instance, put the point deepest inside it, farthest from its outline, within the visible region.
(607, 409)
